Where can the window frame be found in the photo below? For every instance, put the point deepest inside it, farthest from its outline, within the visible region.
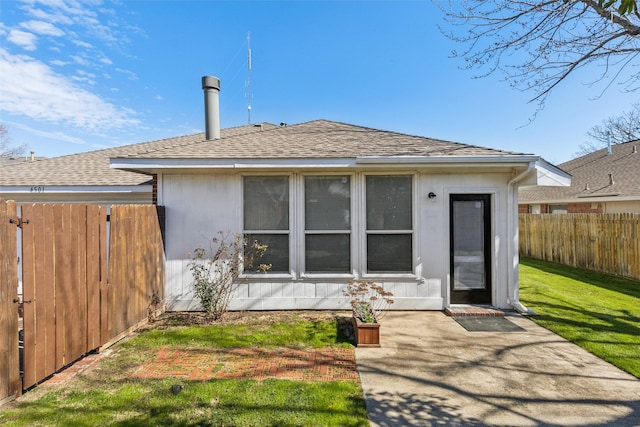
(363, 267)
(358, 228)
(303, 229)
(288, 231)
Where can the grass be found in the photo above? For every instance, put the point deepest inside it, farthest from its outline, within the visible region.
(110, 396)
(598, 312)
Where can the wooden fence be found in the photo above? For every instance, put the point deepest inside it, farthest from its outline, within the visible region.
(609, 243)
(75, 300)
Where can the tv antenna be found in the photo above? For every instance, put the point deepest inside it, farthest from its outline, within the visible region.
(249, 78)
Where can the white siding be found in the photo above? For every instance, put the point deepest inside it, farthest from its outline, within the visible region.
(196, 208)
(200, 205)
(629, 206)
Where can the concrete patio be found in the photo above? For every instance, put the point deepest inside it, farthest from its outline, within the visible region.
(432, 371)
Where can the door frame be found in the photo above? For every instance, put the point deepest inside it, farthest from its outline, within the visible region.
(484, 296)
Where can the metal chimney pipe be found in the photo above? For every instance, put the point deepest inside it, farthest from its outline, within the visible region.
(211, 87)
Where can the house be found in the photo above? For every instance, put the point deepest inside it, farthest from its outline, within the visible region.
(605, 181)
(434, 221)
(14, 160)
(87, 177)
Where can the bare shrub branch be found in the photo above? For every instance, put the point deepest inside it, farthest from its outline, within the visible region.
(216, 272)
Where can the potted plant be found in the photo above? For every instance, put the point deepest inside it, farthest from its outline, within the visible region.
(368, 303)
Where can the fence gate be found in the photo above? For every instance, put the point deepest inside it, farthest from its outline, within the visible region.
(70, 307)
(10, 386)
(62, 263)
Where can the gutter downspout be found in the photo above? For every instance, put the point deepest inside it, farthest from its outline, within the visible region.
(513, 294)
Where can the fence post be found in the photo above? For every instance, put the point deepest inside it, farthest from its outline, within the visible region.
(10, 386)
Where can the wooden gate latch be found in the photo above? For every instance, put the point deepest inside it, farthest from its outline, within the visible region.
(21, 305)
(18, 222)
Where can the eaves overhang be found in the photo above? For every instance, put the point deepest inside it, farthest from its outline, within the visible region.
(156, 165)
(73, 189)
(547, 175)
(581, 199)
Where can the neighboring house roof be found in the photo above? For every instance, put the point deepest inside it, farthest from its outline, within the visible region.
(92, 168)
(7, 161)
(596, 176)
(89, 172)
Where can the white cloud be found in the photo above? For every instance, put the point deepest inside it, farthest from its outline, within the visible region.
(131, 75)
(25, 40)
(58, 63)
(79, 60)
(85, 77)
(54, 18)
(72, 12)
(40, 93)
(60, 136)
(42, 28)
(81, 43)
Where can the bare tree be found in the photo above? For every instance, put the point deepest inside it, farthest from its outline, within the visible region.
(620, 129)
(6, 148)
(536, 44)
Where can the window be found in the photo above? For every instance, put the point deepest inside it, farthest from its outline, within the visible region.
(534, 209)
(320, 224)
(389, 224)
(327, 208)
(558, 209)
(266, 217)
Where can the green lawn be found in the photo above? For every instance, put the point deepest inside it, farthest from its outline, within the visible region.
(109, 395)
(598, 312)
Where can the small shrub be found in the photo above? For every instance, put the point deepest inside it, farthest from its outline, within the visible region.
(215, 274)
(368, 300)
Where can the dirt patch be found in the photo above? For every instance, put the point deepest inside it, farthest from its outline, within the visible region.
(197, 364)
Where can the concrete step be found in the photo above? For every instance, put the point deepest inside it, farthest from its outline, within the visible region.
(461, 310)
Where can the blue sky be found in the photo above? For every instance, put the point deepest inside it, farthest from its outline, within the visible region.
(83, 75)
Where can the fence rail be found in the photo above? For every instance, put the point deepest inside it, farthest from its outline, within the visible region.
(608, 243)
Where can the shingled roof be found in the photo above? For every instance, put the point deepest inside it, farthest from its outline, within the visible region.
(595, 175)
(319, 139)
(92, 167)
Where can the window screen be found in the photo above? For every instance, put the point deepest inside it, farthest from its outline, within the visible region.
(266, 217)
